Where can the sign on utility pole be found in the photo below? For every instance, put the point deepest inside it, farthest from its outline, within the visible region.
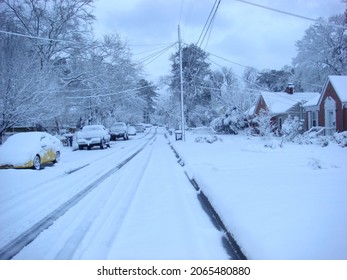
(181, 78)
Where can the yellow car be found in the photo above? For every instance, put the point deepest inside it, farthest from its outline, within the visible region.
(29, 150)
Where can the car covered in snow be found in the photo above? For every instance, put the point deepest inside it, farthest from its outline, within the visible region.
(93, 135)
(139, 128)
(131, 131)
(119, 130)
(30, 150)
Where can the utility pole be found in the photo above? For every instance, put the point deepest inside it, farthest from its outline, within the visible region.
(181, 78)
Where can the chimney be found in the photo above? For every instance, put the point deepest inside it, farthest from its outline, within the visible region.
(290, 88)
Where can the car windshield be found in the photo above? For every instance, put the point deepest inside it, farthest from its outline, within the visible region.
(118, 126)
(90, 128)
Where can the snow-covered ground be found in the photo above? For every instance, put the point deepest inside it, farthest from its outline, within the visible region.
(279, 203)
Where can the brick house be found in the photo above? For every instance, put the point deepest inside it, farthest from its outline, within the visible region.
(329, 109)
(282, 104)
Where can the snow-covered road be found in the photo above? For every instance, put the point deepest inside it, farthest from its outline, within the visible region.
(132, 201)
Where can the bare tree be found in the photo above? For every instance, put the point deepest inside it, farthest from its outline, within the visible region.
(321, 52)
(23, 86)
(64, 22)
(101, 83)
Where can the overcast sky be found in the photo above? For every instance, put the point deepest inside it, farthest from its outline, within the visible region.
(241, 33)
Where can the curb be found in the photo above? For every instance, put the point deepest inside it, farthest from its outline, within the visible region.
(229, 241)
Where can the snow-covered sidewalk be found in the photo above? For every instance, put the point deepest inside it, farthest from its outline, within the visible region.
(279, 203)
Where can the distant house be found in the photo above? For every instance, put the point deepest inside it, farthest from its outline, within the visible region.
(329, 109)
(282, 104)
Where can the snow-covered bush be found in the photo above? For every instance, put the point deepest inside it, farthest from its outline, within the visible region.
(291, 127)
(207, 139)
(217, 124)
(263, 123)
(309, 139)
(341, 138)
(231, 123)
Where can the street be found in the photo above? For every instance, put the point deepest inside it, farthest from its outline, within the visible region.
(132, 201)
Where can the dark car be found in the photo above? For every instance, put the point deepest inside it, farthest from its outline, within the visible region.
(119, 130)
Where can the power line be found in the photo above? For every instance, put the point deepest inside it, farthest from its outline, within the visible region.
(236, 63)
(208, 18)
(34, 37)
(249, 67)
(207, 27)
(289, 14)
(108, 94)
(155, 55)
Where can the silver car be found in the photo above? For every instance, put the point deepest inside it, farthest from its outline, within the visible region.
(93, 135)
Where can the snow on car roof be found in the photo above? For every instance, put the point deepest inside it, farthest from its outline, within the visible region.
(93, 127)
(21, 147)
(22, 138)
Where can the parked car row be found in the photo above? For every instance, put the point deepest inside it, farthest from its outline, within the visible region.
(35, 149)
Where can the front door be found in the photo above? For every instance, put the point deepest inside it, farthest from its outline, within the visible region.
(330, 116)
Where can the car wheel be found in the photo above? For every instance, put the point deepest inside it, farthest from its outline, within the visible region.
(37, 162)
(80, 147)
(57, 157)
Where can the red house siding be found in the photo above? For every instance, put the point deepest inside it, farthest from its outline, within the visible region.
(261, 105)
(340, 112)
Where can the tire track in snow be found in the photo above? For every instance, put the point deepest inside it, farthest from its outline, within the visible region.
(17, 244)
(72, 170)
(104, 230)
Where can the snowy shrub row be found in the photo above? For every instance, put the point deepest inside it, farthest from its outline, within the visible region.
(341, 138)
(321, 140)
(307, 139)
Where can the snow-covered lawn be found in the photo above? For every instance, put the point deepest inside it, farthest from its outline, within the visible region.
(279, 203)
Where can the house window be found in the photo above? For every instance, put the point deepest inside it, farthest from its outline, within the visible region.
(314, 118)
(309, 119)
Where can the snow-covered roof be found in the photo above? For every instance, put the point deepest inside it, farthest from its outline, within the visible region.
(313, 101)
(281, 102)
(340, 85)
